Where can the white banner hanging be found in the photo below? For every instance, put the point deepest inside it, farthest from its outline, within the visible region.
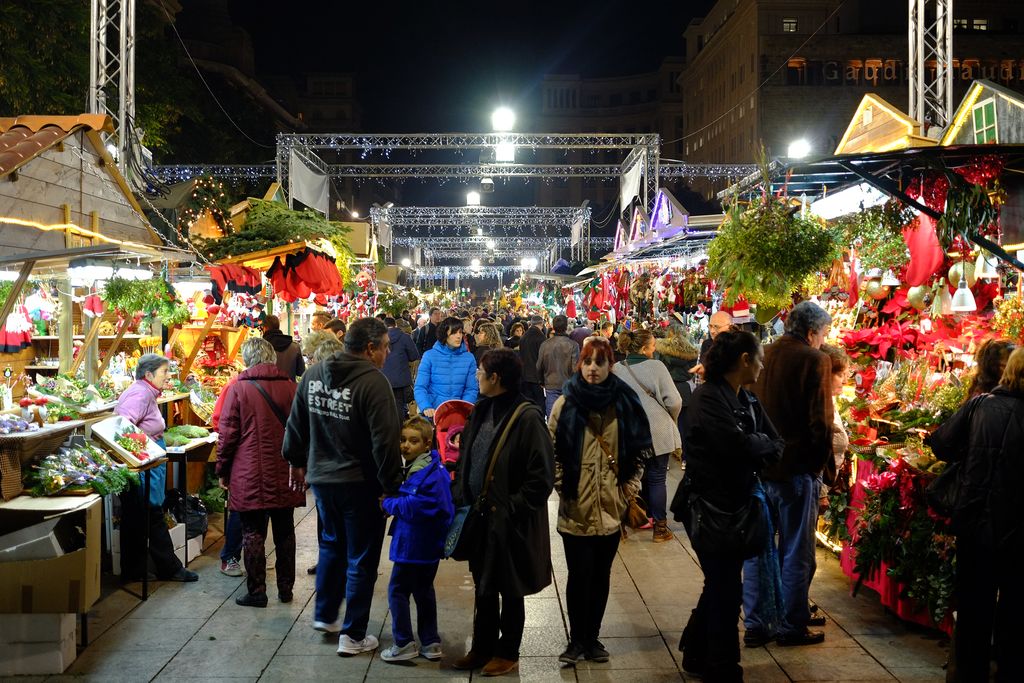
(307, 185)
(629, 183)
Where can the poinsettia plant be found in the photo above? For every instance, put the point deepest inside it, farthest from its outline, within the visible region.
(134, 441)
(896, 527)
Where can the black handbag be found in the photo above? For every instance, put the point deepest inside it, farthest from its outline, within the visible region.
(466, 533)
(944, 491)
(742, 532)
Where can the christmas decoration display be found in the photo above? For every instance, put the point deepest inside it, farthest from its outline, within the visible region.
(207, 198)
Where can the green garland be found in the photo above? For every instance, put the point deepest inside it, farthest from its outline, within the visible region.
(207, 195)
(272, 224)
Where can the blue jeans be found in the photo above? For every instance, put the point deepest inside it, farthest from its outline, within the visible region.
(794, 508)
(349, 554)
(416, 580)
(232, 549)
(550, 396)
(653, 486)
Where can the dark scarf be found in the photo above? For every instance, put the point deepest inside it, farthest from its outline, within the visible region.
(582, 399)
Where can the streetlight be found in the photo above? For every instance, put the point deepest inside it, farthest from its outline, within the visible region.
(528, 264)
(355, 214)
(406, 262)
(473, 198)
(798, 149)
(503, 120)
(475, 263)
(490, 244)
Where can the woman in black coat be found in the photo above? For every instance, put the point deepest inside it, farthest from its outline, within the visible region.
(985, 436)
(514, 559)
(729, 440)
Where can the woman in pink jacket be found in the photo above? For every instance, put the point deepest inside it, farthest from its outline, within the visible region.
(138, 405)
(251, 467)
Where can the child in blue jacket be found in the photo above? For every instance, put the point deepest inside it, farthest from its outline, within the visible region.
(423, 511)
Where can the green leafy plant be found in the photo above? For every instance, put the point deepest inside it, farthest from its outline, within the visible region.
(766, 250)
(213, 496)
(150, 297)
(877, 234)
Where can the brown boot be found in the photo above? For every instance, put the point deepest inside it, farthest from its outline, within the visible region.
(499, 667)
(471, 660)
(661, 532)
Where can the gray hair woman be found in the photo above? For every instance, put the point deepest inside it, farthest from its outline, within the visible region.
(250, 466)
(138, 405)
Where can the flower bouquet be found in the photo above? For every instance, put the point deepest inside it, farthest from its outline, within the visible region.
(78, 469)
(127, 442)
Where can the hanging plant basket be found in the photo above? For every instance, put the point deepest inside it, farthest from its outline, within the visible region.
(767, 250)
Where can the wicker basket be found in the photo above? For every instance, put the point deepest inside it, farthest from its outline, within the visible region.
(202, 410)
(17, 449)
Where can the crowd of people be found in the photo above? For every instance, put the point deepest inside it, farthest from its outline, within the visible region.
(594, 416)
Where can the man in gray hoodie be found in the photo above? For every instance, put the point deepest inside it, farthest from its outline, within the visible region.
(342, 439)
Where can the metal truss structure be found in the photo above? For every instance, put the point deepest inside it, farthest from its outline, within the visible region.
(485, 217)
(179, 173)
(112, 71)
(930, 61)
(486, 247)
(641, 148)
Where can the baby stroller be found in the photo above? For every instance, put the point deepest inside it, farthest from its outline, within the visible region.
(449, 421)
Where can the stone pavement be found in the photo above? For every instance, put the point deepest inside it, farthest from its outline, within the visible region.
(196, 632)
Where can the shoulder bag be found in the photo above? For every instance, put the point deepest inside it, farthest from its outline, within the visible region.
(465, 535)
(276, 409)
(741, 532)
(944, 491)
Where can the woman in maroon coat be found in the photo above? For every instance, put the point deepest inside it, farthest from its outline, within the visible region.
(251, 467)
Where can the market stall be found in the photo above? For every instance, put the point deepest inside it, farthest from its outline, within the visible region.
(914, 254)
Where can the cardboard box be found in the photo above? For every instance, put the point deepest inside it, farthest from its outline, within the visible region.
(195, 547)
(69, 583)
(36, 628)
(38, 658)
(177, 536)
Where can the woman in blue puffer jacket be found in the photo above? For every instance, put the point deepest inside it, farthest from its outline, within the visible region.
(447, 371)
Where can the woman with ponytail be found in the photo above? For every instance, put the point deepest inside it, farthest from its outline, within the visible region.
(602, 440)
(652, 382)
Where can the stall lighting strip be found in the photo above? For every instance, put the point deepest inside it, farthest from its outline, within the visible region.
(71, 227)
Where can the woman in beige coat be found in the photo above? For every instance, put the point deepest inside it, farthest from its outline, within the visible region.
(602, 440)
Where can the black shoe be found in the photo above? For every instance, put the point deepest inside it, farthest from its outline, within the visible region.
(311, 570)
(816, 620)
(183, 575)
(572, 653)
(252, 600)
(692, 668)
(596, 652)
(801, 638)
(756, 637)
(284, 597)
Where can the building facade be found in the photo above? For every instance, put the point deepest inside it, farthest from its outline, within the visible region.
(775, 71)
(642, 103)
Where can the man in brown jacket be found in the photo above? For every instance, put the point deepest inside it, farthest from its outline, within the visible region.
(795, 391)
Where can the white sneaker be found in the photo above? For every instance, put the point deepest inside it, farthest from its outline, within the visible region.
(348, 647)
(432, 651)
(231, 568)
(328, 627)
(400, 654)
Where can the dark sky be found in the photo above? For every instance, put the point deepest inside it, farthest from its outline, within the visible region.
(444, 66)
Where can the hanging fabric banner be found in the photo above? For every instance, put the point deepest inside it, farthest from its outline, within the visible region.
(307, 185)
(629, 183)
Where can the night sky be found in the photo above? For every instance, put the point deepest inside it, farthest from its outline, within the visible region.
(444, 66)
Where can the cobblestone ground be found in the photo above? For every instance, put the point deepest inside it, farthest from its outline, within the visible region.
(195, 632)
